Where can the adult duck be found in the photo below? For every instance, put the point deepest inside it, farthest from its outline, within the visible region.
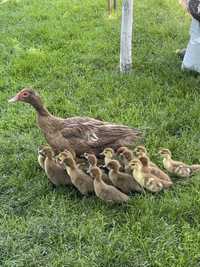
(81, 134)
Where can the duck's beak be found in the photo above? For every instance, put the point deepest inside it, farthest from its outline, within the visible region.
(14, 99)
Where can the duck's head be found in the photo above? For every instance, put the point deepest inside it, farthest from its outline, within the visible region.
(95, 173)
(91, 158)
(135, 164)
(140, 150)
(113, 165)
(165, 153)
(46, 151)
(27, 95)
(108, 152)
(66, 157)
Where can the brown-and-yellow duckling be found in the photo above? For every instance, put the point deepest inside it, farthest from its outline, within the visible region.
(108, 154)
(145, 179)
(165, 179)
(54, 171)
(104, 191)
(82, 181)
(92, 160)
(127, 156)
(154, 170)
(123, 181)
(177, 168)
(141, 151)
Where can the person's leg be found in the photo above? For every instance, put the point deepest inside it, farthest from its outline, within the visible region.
(191, 59)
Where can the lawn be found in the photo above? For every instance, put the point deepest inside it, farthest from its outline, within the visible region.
(69, 52)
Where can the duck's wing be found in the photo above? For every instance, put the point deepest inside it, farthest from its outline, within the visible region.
(99, 134)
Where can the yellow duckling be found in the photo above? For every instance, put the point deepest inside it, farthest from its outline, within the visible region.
(82, 181)
(108, 154)
(177, 168)
(54, 171)
(104, 191)
(123, 181)
(145, 179)
(141, 151)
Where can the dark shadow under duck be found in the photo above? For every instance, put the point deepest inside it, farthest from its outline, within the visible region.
(81, 134)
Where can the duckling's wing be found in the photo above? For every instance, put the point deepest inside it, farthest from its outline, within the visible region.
(110, 193)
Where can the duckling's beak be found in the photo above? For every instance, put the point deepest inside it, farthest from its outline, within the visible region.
(14, 99)
(101, 154)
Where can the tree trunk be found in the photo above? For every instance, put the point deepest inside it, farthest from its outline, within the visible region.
(126, 36)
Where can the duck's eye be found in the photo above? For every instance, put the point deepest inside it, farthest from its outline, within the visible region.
(25, 94)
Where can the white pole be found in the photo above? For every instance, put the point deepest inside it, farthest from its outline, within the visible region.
(126, 36)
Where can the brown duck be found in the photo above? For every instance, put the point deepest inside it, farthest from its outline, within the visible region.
(78, 133)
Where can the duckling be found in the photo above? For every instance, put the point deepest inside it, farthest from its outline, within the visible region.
(54, 171)
(123, 181)
(177, 168)
(165, 179)
(145, 179)
(127, 156)
(93, 163)
(41, 158)
(82, 181)
(108, 154)
(121, 149)
(106, 192)
(141, 151)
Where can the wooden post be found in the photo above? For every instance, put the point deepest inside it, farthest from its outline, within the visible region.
(115, 5)
(126, 36)
(109, 7)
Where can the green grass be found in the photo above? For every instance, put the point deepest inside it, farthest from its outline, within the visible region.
(69, 52)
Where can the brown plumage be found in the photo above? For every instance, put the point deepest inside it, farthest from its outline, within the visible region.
(123, 181)
(82, 181)
(80, 134)
(177, 168)
(54, 171)
(106, 192)
(127, 156)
